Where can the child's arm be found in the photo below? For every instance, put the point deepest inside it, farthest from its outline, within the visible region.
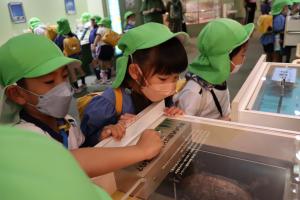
(99, 113)
(99, 161)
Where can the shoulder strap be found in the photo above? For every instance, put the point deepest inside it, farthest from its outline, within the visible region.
(217, 102)
(119, 101)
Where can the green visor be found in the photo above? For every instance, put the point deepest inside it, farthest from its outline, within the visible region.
(85, 17)
(63, 26)
(278, 5)
(106, 22)
(128, 14)
(26, 56)
(34, 22)
(142, 37)
(215, 43)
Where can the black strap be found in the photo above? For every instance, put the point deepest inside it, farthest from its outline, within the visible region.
(28, 118)
(217, 102)
(223, 86)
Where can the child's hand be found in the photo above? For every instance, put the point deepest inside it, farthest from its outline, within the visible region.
(117, 131)
(127, 119)
(173, 111)
(150, 143)
(226, 118)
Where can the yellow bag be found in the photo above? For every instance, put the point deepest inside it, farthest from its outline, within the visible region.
(51, 32)
(71, 46)
(180, 84)
(111, 38)
(84, 101)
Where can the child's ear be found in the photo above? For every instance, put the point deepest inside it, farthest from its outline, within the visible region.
(133, 71)
(15, 94)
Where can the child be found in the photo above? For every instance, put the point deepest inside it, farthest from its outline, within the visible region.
(106, 51)
(205, 93)
(147, 72)
(279, 11)
(296, 7)
(265, 7)
(35, 159)
(70, 45)
(35, 95)
(129, 21)
(36, 26)
(95, 20)
(85, 24)
(264, 23)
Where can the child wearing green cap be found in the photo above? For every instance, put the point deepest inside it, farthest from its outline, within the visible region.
(146, 73)
(35, 95)
(95, 20)
(104, 51)
(69, 43)
(129, 21)
(36, 26)
(205, 93)
(280, 9)
(295, 7)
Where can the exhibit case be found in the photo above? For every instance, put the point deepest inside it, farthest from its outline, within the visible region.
(210, 159)
(270, 96)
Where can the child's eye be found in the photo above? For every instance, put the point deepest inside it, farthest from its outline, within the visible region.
(163, 79)
(49, 82)
(65, 76)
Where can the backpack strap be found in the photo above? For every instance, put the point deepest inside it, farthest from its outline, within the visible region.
(119, 101)
(217, 103)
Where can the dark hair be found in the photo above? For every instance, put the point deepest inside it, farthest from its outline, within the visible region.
(237, 50)
(166, 58)
(21, 83)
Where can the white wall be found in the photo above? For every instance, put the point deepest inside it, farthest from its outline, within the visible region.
(49, 11)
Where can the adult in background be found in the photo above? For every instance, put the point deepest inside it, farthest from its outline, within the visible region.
(175, 15)
(250, 7)
(153, 11)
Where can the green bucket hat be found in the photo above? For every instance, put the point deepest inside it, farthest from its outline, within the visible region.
(63, 26)
(295, 1)
(97, 18)
(141, 37)
(215, 42)
(128, 14)
(85, 17)
(34, 22)
(278, 5)
(18, 61)
(106, 22)
(36, 167)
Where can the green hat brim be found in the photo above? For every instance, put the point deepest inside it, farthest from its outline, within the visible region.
(122, 62)
(209, 65)
(278, 5)
(51, 65)
(128, 14)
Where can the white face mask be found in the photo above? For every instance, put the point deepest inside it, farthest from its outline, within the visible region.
(157, 92)
(131, 22)
(55, 102)
(237, 67)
